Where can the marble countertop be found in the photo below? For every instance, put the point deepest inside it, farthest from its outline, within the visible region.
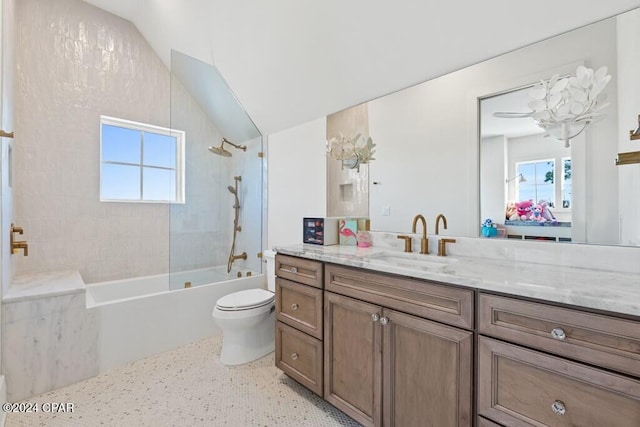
(596, 289)
(44, 284)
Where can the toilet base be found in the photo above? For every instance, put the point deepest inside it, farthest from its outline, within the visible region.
(246, 345)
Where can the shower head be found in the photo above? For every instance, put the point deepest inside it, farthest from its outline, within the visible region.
(231, 190)
(222, 152)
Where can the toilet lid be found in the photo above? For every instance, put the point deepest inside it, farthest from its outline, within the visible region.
(245, 300)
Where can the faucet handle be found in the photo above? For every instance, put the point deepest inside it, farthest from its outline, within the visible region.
(407, 242)
(442, 246)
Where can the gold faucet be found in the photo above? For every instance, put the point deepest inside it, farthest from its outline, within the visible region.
(424, 242)
(442, 246)
(407, 243)
(16, 245)
(444, 221)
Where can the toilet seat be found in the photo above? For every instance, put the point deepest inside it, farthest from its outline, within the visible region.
(245, 300)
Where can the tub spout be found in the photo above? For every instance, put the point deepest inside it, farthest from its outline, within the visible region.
(243, 255)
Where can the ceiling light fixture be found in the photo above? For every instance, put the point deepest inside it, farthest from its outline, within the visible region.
(563, 107)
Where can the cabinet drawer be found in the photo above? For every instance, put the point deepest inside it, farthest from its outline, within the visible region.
(299, 306)
(299, 356)
(299, 270)
(521, 387)
(422, 298)
(593, 338)
(483, 422)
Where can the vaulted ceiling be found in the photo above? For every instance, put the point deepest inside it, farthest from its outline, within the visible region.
(291, 61)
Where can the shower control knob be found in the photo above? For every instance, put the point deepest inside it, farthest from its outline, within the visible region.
(294, 356)
(294, 306)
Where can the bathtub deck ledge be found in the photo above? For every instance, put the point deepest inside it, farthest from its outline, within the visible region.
(38, 285)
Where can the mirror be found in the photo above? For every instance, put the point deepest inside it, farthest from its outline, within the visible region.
(429, 159)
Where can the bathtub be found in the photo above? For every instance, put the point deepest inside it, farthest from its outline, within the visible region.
(147, 315)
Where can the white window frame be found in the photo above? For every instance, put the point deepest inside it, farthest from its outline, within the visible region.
(562, 185)
(535, 161)
(145, 127)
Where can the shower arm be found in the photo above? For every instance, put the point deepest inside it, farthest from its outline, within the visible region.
(238, 146)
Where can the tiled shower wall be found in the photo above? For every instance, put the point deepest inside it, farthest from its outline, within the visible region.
(74, 63)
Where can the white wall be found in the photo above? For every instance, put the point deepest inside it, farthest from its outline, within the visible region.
(297, 181)
(628, 110)
(493, 172)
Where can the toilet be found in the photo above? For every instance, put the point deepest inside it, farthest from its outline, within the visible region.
(247, 320)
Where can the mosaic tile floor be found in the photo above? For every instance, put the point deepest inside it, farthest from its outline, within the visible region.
(187, 387)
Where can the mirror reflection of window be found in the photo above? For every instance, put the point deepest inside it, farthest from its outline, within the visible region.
(538, 184)
(566, 183)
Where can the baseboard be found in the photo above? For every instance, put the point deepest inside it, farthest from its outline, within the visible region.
(3, 398)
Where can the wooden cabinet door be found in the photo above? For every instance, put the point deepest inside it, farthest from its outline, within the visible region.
(352, 358)
(427, 372)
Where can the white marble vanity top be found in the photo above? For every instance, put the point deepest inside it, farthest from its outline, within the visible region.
(612, 291)
(44, 284)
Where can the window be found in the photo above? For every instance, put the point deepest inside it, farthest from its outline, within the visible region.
(538, 181)
(140, 162)
(566, 182)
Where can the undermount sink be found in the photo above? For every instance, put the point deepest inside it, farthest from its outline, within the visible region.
(412, 260)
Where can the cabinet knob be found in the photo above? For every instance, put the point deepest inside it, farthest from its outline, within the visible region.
(294, 306)
(375, 317)
(294, 270)
(558, 334)
(294, 356)
(558, 407)
(384, 321)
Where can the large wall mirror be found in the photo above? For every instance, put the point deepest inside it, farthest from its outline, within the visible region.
(440, 149)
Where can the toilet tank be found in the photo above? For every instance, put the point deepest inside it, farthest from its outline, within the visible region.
(270, 258)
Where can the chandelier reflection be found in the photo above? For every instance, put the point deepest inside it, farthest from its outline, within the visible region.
(563, 107)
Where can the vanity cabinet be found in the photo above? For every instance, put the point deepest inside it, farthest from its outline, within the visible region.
(383, 366)
(299, 320)
(548, 367)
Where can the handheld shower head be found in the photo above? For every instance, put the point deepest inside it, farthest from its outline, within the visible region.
(232, 190)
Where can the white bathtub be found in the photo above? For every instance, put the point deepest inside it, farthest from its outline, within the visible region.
(148, 315)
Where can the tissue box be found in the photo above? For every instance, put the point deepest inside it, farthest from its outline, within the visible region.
(347, 231)
(320, 231)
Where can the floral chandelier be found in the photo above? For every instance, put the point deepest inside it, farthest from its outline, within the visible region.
(563, 107)
(352, 151)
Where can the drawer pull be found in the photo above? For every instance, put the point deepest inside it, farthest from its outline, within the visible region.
(294, 306)
(558, 407)
(293, 270)
(384, 321)
(375, 317)
(294, 356)
(558, 334)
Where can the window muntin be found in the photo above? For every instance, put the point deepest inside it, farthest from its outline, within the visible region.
(140, 162)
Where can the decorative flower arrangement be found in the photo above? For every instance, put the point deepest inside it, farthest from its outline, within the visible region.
(564, 106)
(352, 151)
